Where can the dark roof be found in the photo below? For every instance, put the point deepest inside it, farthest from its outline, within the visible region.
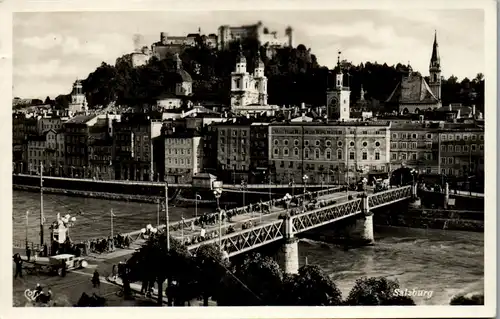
(80, 119)
(182, 133)
(183, 76)
(335, 123)
(167, 95)
(412, 89)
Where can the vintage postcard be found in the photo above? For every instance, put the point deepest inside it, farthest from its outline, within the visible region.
(249, 159)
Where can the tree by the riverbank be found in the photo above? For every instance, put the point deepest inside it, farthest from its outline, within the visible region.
(461, 300)
(376, 291)
(257, 281)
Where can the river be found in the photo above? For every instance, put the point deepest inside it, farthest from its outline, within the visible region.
(444, 262)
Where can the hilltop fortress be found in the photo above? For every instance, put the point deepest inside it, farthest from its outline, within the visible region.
(170, 45)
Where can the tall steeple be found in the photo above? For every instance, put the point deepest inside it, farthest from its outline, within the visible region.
(435, 59)
(435, 70)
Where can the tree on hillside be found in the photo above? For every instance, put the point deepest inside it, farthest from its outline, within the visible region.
(376, 291)
(48, 101)
(62, 101)
(294, 76)
(310, 287)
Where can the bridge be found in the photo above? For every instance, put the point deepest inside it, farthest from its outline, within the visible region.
(285, 227)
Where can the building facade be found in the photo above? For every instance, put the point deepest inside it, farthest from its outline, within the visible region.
(183, 155)
(233, 150)
(133, 147)
(415, 144)
(461, 149)
(76, 141)
(259, 152)
(336, 152)
(36, 146)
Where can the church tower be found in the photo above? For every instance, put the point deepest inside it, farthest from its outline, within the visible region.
(240, 79)
(435, 70)
(338, 99)
(260, 80)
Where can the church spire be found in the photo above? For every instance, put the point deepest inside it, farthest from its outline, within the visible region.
(241, 56)
(435, 59)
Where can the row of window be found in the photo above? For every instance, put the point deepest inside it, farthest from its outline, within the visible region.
(456, 160)
(411, 135)
(178, 141)
(458, 137)
(328, 143)
(328, 153)
(409, 145)
(234, 132)
(461, 148)
(179, 161)
(327, 170)
(409, 156)
(181, 151)
(326, 132)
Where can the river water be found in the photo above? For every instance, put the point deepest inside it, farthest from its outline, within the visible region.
(444, 262)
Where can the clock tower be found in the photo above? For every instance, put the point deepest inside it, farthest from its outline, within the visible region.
(337, 99)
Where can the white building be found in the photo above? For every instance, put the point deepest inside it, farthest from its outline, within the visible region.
(338, 99)
(78, 101)
(249, 91)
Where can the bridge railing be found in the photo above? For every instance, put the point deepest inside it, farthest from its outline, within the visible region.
(248, 239)
(387, 196)
(325, 215)
(186, 223)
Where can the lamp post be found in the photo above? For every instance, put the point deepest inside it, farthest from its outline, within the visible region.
(167, 224)
(27, 225)
(196, 197)
(304, 181)
(217, 194)
(243, 187)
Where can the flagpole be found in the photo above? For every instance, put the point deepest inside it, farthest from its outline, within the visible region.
(27, 225)
(111, 211)
(182, 229)
(196, 205)
(158, 213)
(41, 206)
(167, 231)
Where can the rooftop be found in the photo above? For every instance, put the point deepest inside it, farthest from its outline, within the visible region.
(80, 119)
(336, 123)
(412, 89)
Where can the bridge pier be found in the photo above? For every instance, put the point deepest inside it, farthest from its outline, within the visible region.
(446, 195)
(415, 202)
(367, 234)
(289, 251)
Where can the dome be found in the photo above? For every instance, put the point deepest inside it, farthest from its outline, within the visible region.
(182, 76)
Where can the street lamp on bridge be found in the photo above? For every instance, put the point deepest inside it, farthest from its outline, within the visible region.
(304, 180)
(217, 194)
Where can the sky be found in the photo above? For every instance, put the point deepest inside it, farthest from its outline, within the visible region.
(52, 49)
